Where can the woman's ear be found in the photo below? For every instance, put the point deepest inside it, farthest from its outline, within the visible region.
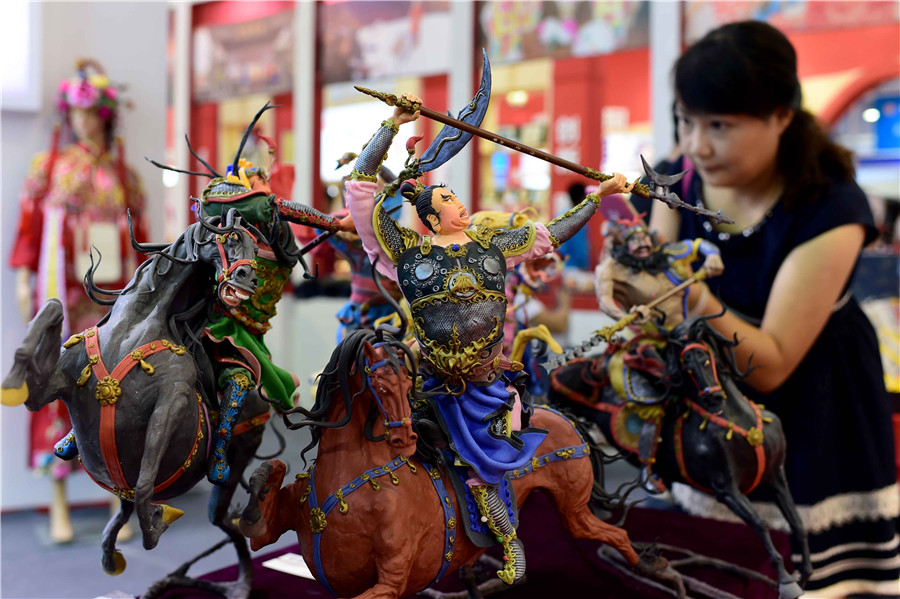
(783, 117)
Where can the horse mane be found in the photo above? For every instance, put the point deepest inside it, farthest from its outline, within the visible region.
(699, 329)
(348, 361)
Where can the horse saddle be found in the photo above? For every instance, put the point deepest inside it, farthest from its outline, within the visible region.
(476, 530)
(636, 374)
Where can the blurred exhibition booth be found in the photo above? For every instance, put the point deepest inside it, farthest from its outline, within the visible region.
(587, 81)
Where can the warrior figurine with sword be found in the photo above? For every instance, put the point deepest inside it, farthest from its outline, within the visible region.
(454, 281)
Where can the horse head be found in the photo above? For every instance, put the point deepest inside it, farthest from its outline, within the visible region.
(390, 383)
(705, 356)
(232, 249)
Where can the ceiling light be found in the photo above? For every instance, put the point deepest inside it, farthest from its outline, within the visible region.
(517, 98)
(871, 115)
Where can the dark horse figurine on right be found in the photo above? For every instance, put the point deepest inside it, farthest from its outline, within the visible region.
(712, 437)
(135, 388)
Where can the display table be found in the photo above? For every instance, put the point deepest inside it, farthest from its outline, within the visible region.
(559, 566)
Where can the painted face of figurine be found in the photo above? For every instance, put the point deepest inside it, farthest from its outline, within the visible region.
(640, 244)
(732, 150)
(86, 124)
(452, 215)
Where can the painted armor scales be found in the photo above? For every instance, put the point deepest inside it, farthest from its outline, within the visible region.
(457, 299)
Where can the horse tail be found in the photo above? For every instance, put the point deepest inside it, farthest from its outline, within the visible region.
(282, 444)
(91, 288)
(610, 501)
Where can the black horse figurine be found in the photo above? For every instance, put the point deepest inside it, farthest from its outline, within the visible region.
(712, 437)
(135, 386)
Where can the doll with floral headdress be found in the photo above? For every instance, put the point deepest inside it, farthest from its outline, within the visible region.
(76, 196)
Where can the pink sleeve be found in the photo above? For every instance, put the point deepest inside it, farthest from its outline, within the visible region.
(361, 202)
(541, 246)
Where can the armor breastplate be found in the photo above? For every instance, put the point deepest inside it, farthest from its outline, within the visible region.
(458, 304)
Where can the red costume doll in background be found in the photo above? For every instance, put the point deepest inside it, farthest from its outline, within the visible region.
(75, 196)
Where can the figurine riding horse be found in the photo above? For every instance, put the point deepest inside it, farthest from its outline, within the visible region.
(141, 420)
(713, 438)
(398, 525)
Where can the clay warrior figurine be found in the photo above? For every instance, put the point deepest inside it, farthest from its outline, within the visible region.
(241, 359)
(454, 279)
(636, 272)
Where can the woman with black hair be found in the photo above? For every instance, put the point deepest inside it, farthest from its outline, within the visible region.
(800, 223)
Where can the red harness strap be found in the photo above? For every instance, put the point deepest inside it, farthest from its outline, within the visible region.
(754, 437)
(108, 392)
(251, 423)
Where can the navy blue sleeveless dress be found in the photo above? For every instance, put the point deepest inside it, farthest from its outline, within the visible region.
(835, 409)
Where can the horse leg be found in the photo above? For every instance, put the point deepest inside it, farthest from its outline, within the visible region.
(33, 375)
(798, 530)
(394, 557)
(113, 561)
(155, 519)
(581, 523)
(240, 452)
(740, 505)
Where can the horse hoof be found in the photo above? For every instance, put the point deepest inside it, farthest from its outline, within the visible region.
(789, 590)
(14, 397)
(119, 564)
(253, 530)
(171, 514)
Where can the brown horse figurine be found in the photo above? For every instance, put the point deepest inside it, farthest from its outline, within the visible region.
(397, 529)
(712, 437)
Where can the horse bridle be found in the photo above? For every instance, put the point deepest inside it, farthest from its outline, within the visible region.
(705, 348)
(228, 269)
(370, 369)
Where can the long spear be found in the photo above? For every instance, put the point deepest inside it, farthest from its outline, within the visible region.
(606, 333)
(670, 199)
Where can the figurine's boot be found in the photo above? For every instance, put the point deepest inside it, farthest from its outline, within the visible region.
(494, 514)
(65, 448)
(235, 385)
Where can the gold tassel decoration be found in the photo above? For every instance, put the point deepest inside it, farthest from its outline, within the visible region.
(73, 340)
(87, 372)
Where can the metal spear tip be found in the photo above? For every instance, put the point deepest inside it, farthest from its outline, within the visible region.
(720, 218)
(660, 180)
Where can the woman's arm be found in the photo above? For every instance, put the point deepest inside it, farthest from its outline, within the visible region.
(807, 285)
(666, 222)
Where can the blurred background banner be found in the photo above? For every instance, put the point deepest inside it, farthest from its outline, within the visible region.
(255, 57)
(797, 15)
(366, 40)
(514, 31)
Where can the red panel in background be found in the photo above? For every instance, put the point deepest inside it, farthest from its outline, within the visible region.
(873, 51)
(520, 115)
(582, 87)
(434, 95)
